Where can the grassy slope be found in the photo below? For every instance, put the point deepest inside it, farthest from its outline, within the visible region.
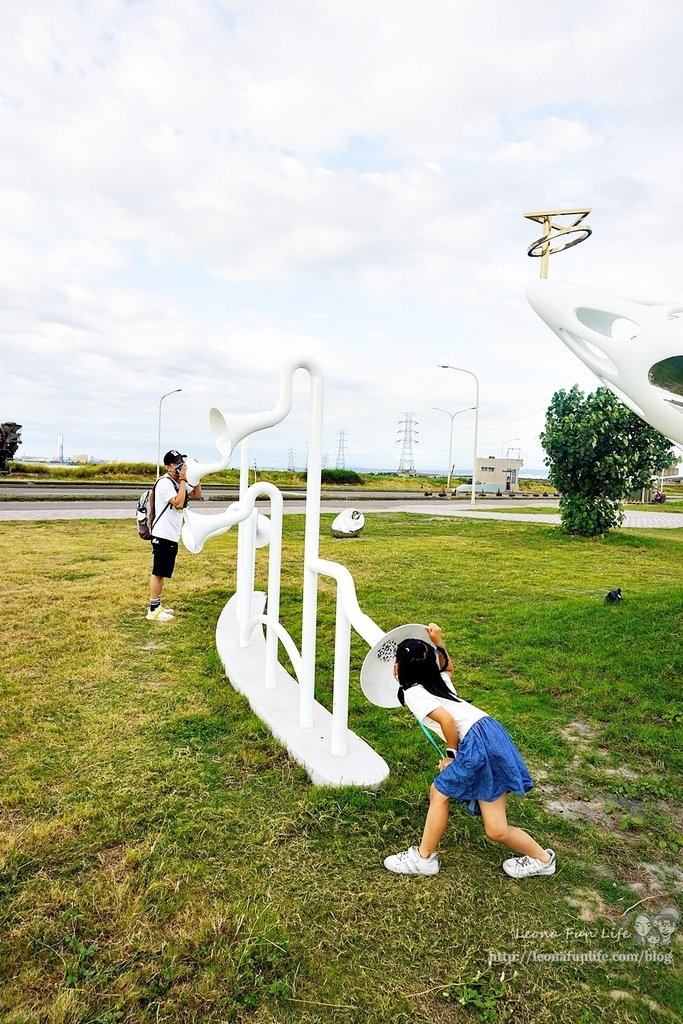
(162, 859)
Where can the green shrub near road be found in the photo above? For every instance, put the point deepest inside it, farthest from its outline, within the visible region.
(163, 859)
(341, 476)
(598, 451)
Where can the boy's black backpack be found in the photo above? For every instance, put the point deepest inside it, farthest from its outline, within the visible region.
(144, 512)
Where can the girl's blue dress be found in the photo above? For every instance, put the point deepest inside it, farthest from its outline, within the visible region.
(487, 765)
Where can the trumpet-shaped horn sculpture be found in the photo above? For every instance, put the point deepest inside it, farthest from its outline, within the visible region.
(634, 348)
(198, 527)
(228, 432)
(221, 437)
(377, 674)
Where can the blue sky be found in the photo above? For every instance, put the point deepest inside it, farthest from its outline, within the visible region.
(192, 193)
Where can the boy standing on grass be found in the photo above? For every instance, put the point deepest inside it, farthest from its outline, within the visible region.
(171, 494)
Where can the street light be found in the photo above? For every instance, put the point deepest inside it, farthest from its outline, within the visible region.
(502, 447)
(175, 390)
(450, 442)
(445, 366)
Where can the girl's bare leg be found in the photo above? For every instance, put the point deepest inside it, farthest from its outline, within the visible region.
(435, 825)
(494, 815)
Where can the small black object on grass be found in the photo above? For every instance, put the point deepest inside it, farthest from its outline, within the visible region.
(613, 596)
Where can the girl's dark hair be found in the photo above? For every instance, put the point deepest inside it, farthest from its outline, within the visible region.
(417, 664)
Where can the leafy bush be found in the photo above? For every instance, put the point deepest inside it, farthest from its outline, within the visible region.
(597, 451)
(341, 476)
(589, 515)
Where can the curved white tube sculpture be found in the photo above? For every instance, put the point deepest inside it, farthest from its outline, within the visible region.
(198, 528)
(634, 348)
(227, 433)
(349, 613)
(357, 763)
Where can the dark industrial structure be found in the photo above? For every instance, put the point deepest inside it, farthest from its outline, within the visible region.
(10, 439)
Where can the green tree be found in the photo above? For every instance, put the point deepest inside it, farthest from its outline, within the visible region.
(597, 451)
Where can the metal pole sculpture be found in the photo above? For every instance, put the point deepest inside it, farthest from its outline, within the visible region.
(548, 243)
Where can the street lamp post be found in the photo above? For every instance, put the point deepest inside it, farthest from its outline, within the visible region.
(450, 442)
(502, 447)
(445, 366)
(159, 428)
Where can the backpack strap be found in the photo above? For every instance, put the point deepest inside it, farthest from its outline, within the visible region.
(157, 518)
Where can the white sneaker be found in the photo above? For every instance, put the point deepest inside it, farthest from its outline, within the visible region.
(160, 614)
(409, 862)
(525, 867)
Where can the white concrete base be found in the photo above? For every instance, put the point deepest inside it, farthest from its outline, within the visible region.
(279, 709)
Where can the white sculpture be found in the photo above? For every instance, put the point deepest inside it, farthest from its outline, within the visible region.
(634, 348)
(348, 523)
(377, 674)
(320, 741)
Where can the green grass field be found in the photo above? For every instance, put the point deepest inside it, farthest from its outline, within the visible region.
(163, 860)
(516, 507)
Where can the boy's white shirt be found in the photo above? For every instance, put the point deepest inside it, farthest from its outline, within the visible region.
(421, 702)
(170, 524)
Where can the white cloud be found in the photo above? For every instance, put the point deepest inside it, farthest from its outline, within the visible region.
(197, 191)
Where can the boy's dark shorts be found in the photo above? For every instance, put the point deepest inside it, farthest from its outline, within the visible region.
(163, 556)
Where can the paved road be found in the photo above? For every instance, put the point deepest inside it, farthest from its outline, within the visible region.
(56, 490)
(27, 510)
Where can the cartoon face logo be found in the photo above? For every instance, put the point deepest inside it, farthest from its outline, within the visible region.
(642, 925)
(666, 921)
(656, 930)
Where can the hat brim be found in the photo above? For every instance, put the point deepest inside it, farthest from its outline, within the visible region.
(377, 679)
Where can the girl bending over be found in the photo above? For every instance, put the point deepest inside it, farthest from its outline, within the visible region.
(482, 764)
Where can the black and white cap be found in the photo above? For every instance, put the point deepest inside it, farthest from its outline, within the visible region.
(173, 456)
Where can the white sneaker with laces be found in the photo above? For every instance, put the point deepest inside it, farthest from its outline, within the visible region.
(409, 862)
(160, 614)
(525, 867)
